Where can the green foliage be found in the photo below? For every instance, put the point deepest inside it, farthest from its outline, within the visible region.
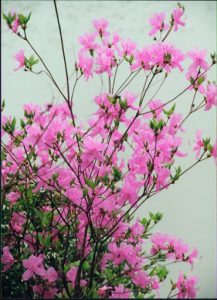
(29, 63)
(23, 20)
(9, 127)
(177, 174)
(156, 126)
(130, 59)
(117, 175)
(3, 105)
(9, 18)
(91, 183)
(169, 112)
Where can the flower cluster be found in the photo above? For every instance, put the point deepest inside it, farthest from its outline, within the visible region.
(69, 194)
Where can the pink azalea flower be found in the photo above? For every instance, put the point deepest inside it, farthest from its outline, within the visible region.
(13, 197)
(177, 15)
(103, 289)
(51, 293)
(85, 62)
(51, 274)
(7, 259)
(211, 96)
(137, 229)
(142, 58)
(130, 189)
(193, 256)
(75, 195)
(140, 278)
(15, 25)
(34, 266)
(214, 151)
(158, 242)
(105, 61)
(186, 286)
(17, 221)
(38, 289)
(199, 143)
(121, 292)
(157, 107)
(101, 26)
(128, 47)
(198, 58)
(20, 58)
(88, 41)
(71, 276)
(157, 23)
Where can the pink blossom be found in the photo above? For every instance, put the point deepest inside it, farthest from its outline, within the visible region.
(214, 151)
(34, 266)
(128, 47)
(193, 256)
(51, 274)
(103, 289)
(198, 143)
(157, 23)
(88, 41)
(120, 292)
(15, 24)
(17, 221)
(101, 26)
(142, 58)
(50, 293)
(211, 96)
(177, 15)
(156, 106)
(140, 278)
(105, 61)
(158, 242)
(13, 197)
(198, 58)
(92, 150)
(20, 58)
(7, 259)
(137, 229)
(130, 189)
(38, 289)
(75, 195)
(71, 276)
(85, 62)
(186, 286)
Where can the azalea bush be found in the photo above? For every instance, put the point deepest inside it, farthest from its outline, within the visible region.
(69, 194)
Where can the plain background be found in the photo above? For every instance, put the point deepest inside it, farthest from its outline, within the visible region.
(189, 207)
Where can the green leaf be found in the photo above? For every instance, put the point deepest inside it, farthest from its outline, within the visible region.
(117, 122)
(170, 111)
(28, 18)
(111, 99)
(5, 17)
(200, 80)
(105, 179)
(38, 214)
(22, 19)
(86, 265)
(3, 105)
(55, 176)
(90, 183)
(31, 61)
(22, 123)
(116, 174)
(162, 273)
(123, 104)
(177, 174)
(206, 141)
